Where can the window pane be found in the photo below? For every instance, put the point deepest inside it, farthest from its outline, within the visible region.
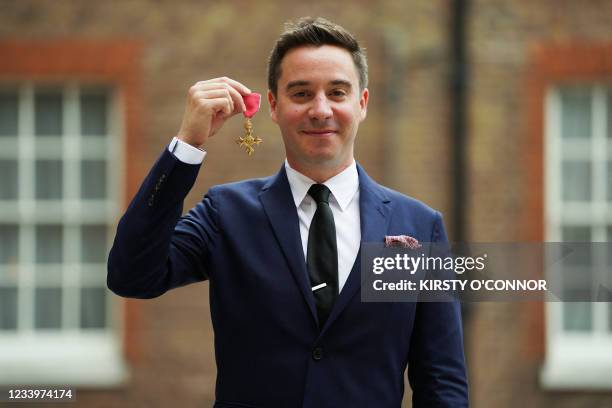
(48, 111)
(610, 181)
(93, 308)
(581, 255)
(93, 244)
(576, 234)
(9, 244)
(576, 180)
(93, 179)
(577, 275)
(48, 308)
(577, 284)
(94, 112)
(49, 244)
(577, 316)
(576, 112)
(609, 254)
(8, 308)
(8, 113)
(49, 179)
(577, 280)
(8, 186)
(609, 106)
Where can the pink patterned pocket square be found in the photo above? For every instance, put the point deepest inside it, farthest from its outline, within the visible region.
(402, 241)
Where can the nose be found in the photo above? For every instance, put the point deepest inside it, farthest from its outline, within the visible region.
(320, 108)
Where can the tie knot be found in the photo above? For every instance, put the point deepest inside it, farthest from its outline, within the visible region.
(320, 193)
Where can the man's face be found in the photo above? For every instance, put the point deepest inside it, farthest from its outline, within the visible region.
(318, 107)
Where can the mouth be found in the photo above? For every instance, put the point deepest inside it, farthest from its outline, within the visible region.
(319, 132)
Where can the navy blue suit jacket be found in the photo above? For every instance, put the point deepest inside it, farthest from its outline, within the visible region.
(244, 238)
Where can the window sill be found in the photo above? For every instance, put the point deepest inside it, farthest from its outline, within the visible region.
(580, 363)
(72, 359)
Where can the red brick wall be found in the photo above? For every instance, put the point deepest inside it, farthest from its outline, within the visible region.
(404, 142)
(181, 43)
(116, 63)
(518, 49)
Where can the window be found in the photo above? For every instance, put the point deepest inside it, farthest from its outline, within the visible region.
(59, 200)
(578, 208)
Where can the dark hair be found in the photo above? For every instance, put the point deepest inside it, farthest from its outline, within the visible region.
(316, 32)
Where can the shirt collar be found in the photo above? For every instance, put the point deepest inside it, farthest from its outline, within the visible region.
(343, 185)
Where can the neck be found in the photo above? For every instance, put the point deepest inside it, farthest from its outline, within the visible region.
(319, 173)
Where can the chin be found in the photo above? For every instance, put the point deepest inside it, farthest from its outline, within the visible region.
(321, 155)
(325, 151)
(326, 159)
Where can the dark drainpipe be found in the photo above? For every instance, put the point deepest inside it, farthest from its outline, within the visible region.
(459, 113)
(458, 126)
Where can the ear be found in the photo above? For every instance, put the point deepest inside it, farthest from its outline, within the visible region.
(363, 103)
(272, 102)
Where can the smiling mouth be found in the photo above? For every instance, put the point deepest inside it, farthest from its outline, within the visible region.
(319, 132)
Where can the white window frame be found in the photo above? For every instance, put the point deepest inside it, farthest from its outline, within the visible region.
(576, 360)
(68, 356)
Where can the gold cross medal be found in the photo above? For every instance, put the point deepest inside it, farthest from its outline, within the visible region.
(248, 141)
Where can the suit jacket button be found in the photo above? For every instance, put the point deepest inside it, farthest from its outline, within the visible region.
(317, 353)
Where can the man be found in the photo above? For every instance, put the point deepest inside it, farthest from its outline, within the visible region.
(282, 253)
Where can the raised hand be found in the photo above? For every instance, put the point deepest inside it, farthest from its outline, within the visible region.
(209, 104)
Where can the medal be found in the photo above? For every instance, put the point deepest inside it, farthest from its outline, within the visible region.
(248, 141)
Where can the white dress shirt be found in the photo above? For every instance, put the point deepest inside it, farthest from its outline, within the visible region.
(185, 152)
(343, 201)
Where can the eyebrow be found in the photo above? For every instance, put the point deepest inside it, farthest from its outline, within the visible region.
(301, 82)
(341, 82)
(297, 83)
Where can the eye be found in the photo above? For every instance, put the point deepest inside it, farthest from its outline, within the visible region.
(299, 94)
(338, 93)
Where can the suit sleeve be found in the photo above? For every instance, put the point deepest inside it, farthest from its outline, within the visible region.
(155, 249)
(436, 362)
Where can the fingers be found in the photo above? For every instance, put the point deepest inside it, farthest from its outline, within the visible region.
(235, 84)
(220, 105)
(235, 89)
(201, 97)
(221, 90)
(209, 104)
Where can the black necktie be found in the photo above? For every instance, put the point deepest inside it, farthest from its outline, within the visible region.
(322, 254)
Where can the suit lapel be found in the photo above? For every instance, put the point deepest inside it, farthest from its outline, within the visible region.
(374, 207)
(278, 205)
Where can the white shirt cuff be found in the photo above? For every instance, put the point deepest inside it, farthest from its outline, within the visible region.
(185, 152)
